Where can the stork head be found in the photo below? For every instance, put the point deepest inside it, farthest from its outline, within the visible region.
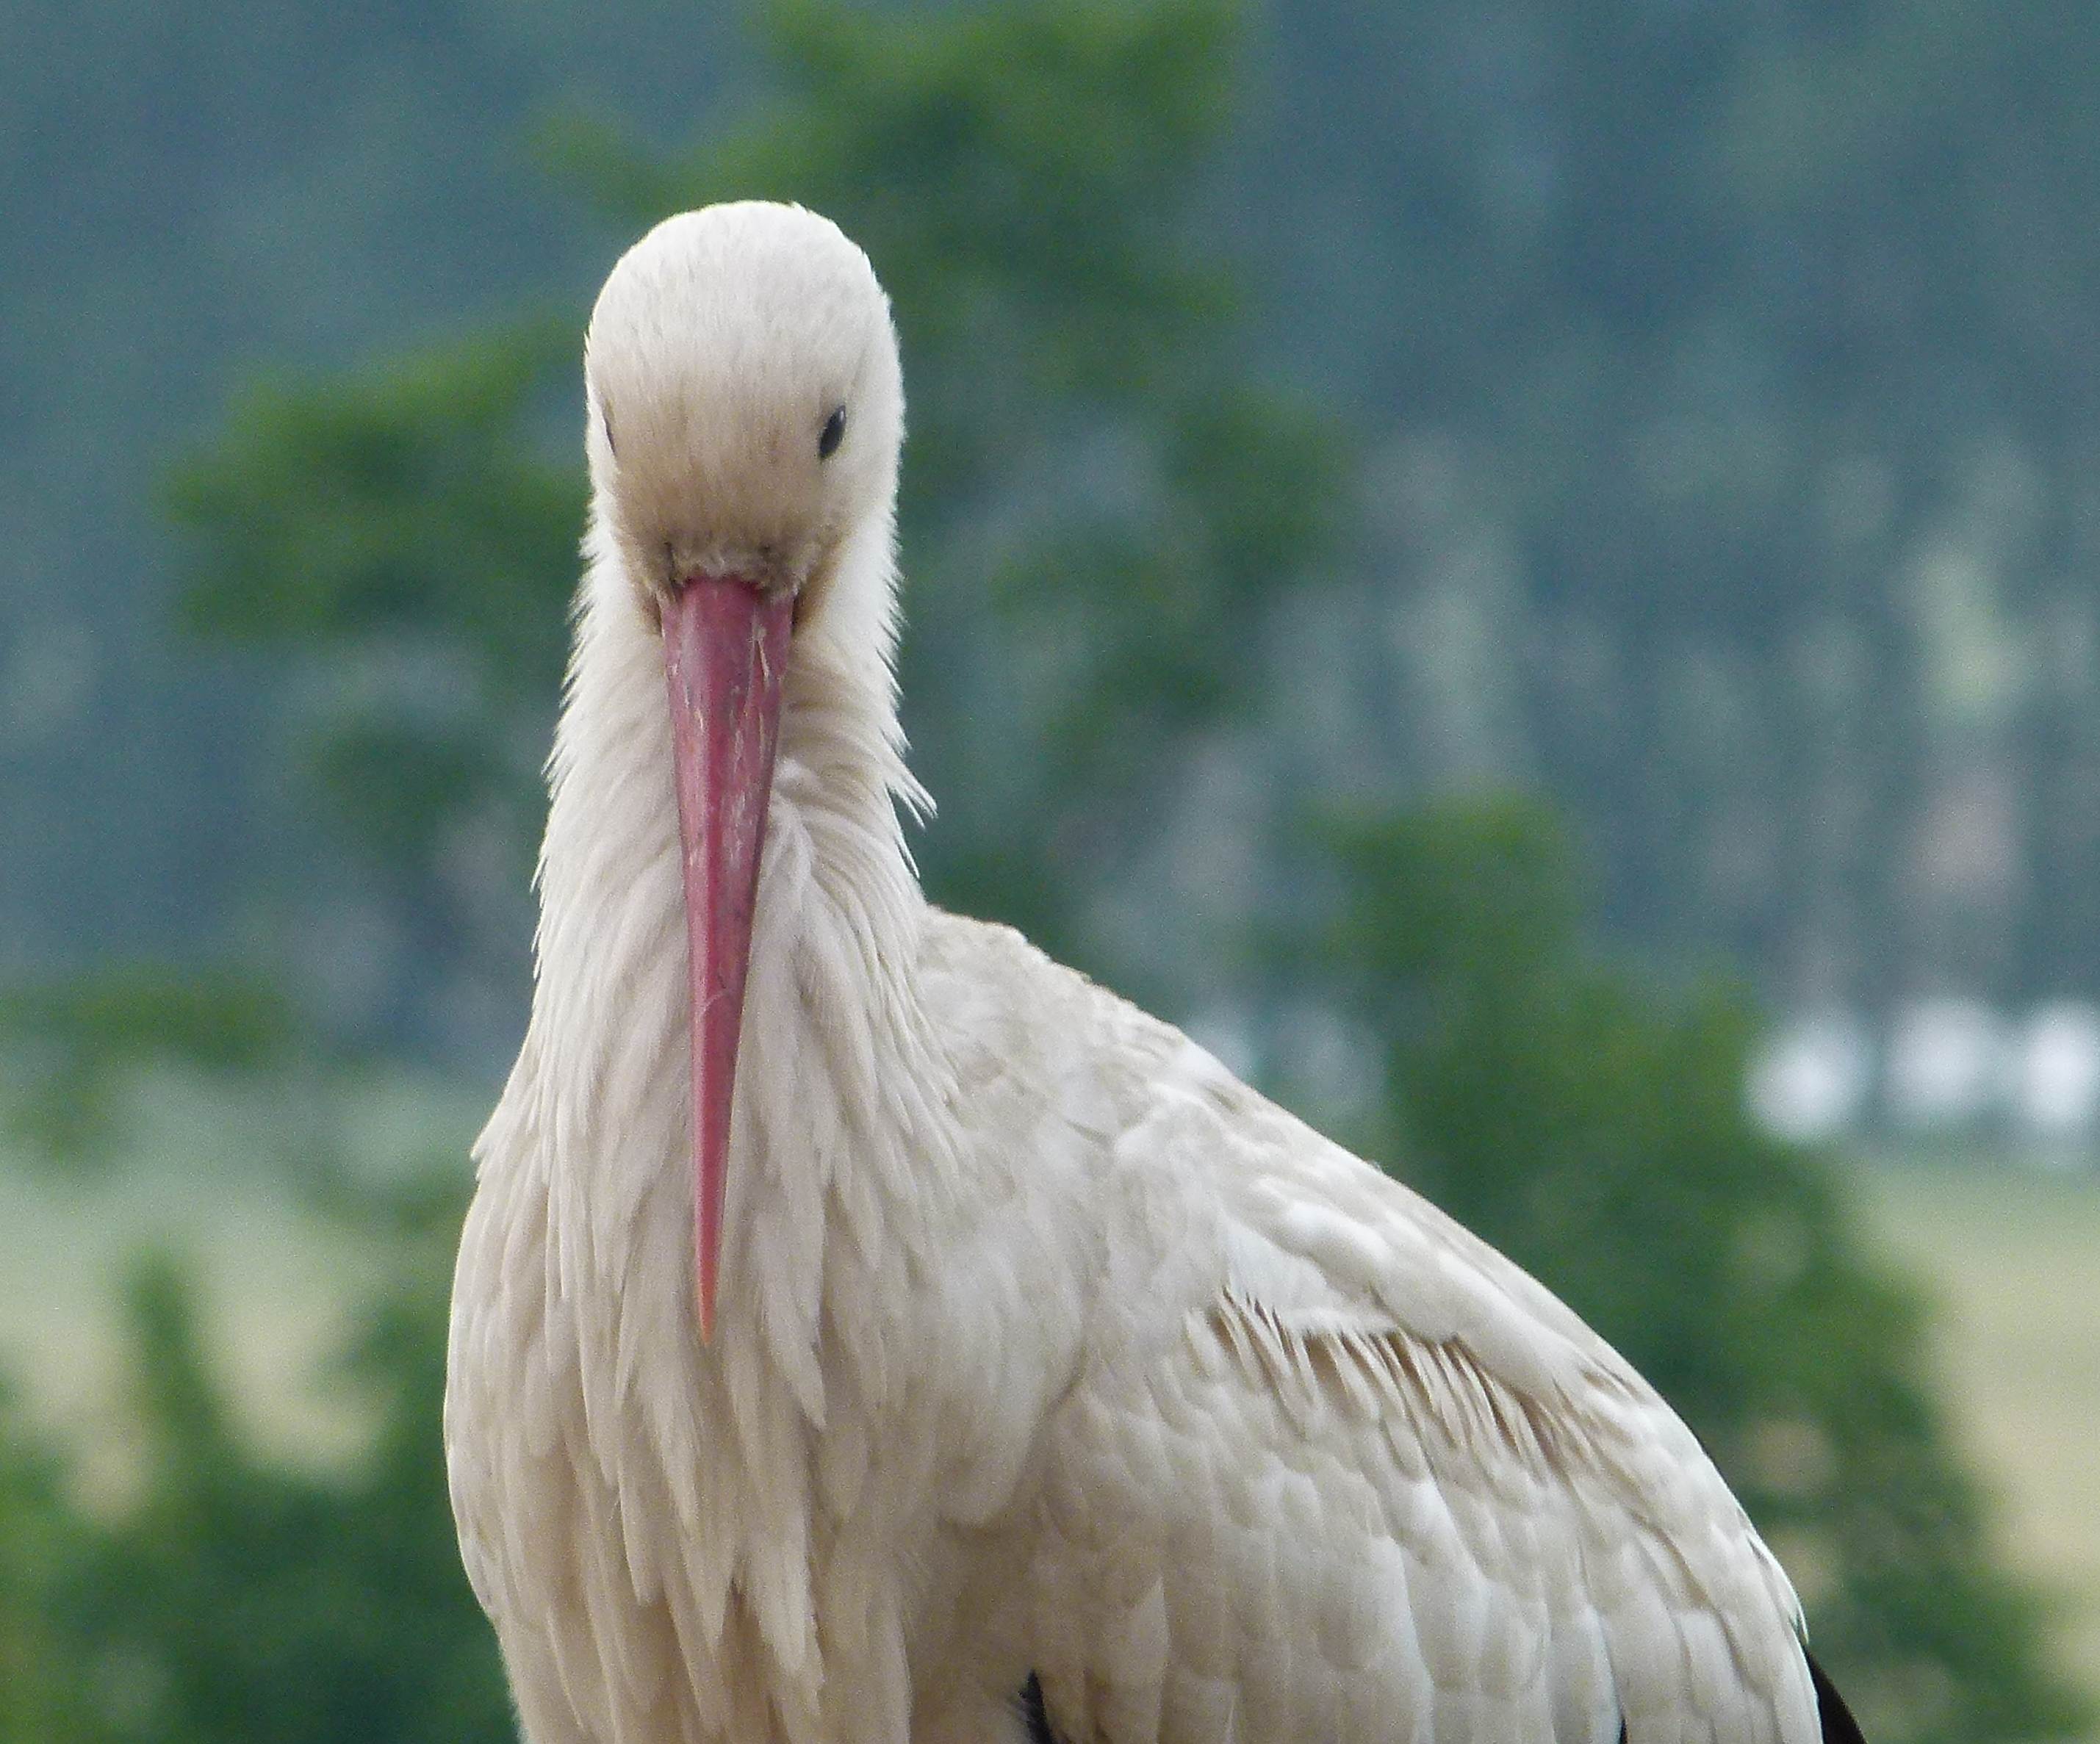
(746, 404)
(745, 410)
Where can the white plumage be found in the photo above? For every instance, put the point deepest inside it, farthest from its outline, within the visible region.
(1043, 1345)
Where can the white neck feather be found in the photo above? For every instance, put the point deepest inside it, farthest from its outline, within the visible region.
(842, 1098)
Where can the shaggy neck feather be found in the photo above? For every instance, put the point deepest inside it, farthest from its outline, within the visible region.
(840, 1089)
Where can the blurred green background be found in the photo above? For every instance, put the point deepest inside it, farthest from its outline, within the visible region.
(1528, 570)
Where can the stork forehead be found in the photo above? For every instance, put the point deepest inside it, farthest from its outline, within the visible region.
(752, 306)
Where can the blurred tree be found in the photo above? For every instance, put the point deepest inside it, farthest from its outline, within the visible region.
(1099, 501)
(404, 546)
(240, 1602)
(1742, 346)
(77, 1046)
(1593, 1128)
(262, 187)
(46, 1548)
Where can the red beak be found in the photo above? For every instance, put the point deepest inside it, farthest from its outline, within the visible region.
(725, 650)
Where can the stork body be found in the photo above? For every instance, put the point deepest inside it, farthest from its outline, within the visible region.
(1042, 1345)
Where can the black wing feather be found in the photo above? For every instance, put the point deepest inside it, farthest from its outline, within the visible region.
(1032, 1711)
(1839, 1725)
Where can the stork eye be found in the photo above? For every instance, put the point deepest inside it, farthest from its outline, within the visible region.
(605, 424)
(834, 434)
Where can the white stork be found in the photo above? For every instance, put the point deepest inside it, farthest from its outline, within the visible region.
(992, 1361)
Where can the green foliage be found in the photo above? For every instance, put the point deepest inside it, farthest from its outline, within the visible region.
(402, 530)
(1019, 170)
(45, 1548)
(240, 1602)
(1592, 1127)
(73, 1047)
(1744, 347)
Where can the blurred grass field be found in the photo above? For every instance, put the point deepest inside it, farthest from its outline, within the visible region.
(2012, 1258)
(218, 1188)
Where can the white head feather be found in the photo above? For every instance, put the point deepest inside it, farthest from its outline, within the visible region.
(724, 343)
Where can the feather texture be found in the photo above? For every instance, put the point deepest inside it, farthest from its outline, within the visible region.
(1049, 1357)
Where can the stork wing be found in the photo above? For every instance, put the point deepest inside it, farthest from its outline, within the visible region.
(1340, 1472)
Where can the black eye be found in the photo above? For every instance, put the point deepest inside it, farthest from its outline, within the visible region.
(605, 424)
(835, 432)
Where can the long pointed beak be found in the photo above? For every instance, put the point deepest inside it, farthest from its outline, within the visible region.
(725, 650)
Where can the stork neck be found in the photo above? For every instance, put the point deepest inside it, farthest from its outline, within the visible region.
(840, 1086)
